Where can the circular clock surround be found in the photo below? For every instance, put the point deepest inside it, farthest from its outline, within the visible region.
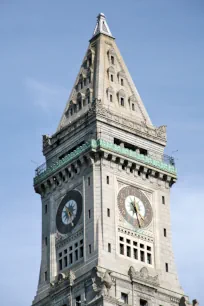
(134, 207)
(69, 212)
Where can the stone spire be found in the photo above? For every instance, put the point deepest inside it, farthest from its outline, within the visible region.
(102, 26)
(104, 77)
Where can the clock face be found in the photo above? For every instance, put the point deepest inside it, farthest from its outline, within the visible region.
(134, 207)
(69, 212)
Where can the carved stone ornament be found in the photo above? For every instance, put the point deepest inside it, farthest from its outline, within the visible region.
(183, 301)
(46, 141)
(143, 276)
(70, 277)
(101, 282)
(195, 302)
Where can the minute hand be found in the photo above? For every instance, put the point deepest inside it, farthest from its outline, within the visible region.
(136, 210)
(139, 212)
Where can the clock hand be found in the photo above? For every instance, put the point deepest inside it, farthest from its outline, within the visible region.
(138, 209)
(69, 214)
(137, 213)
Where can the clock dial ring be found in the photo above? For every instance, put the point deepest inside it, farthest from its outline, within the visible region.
(69, 212)
(134, 207)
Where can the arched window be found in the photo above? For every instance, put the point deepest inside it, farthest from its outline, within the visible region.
(111, 56)
(110, 94)
(79, 100)
(88, 95)
(121, 97)
(121, 78)
(89, 76)
(133, 103)
(111, 73)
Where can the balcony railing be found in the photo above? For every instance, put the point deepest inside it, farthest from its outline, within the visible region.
(162, 162)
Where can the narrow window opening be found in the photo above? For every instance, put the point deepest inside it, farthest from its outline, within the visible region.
(80, 106)
(142, 256)
(60, 264)
(70, 258)
(45, 240)
(71, 111)
(163, 200)
(121, 238)
(167, 267)
(143, 302)
(89, 181)
(128, 241)
(108, 212)
(128, 251)
(122, 102)
(111, 77)
(65, 251)
(148, 248)
(76, 255)
(133, 106)
(121, 249)
(89, 213)
(164, 232)
(109, 247)
(121, 82)
(149, 258)
(45, 208)
(45, 275)
(65, 261)
(107, 179)
(89, 248)
(90, 62)
(135, 253)
(134, 243)
(78, 300)
(81, 251)
(60, 254)
(141, 246)
(112, 60)
(124, 297)
(111, 98)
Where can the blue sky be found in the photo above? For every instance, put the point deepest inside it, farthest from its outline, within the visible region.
(42, 44)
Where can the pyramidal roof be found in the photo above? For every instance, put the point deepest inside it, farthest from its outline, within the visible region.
(101, 26)
(104, 76)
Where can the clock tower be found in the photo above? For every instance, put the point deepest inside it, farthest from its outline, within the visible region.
(105, 187)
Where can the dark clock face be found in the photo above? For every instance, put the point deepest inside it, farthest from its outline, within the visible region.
(134, 207)
(69, 212)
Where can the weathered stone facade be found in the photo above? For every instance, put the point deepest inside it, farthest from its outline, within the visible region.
(105, 142)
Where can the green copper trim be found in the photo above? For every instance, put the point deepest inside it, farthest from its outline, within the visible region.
(102, 144)
(134, 155)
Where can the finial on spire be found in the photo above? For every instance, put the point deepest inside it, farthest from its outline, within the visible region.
(102, 26)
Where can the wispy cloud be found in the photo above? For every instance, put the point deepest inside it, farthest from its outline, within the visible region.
(46, 96)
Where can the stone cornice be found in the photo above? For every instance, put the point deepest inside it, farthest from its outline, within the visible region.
(109, 148)
(98, 111)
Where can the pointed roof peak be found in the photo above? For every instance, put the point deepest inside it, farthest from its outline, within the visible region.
(102, 26)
